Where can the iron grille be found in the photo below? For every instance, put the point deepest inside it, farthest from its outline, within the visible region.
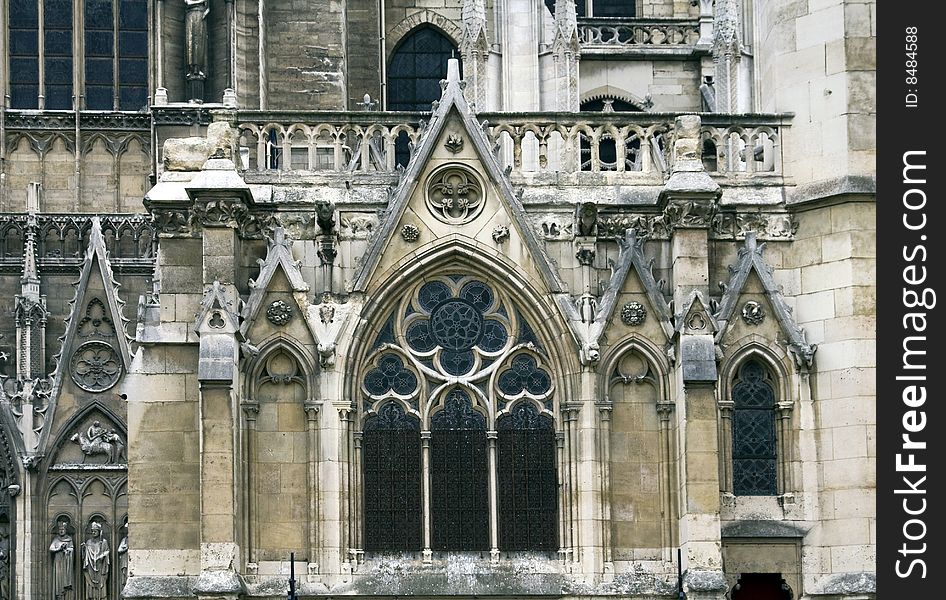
(528, 488)
(753, 433)
(459, 476)
(392, 480)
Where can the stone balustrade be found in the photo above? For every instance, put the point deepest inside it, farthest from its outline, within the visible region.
(611, 33)
(61, 239)
(630, 143)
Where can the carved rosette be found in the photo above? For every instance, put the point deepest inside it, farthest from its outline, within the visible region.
(500, 234)
(279, 313)
(753, 313)
(454, 143)
(454, 195)
(633, 314)
(95, 366)
(410, 233)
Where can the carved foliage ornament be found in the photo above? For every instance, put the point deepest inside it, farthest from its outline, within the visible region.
(279, 313)
(633, 313)
(410, 233)
(95, 367)
(753, 313)
(454, 143)
(454, 195)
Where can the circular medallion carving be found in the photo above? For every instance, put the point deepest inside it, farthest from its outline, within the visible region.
(279, 313)
(633, 313)
(454, 195)
(753, 313)
(456, 325)
(95, 366)
(410, 233)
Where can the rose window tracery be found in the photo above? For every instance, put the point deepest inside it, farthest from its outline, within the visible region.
(454, 195)
(95, 366)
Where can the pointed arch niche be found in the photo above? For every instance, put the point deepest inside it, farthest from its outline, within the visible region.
(638, 458)
(457, 378)
(280, 441)
(86, 483)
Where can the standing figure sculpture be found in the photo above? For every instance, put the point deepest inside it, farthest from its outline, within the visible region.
(95, 563)
(122, 553)
(4, 566)
(195, 32)
(62, 550)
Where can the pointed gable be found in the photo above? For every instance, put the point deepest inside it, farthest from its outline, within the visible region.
(278, 258)
(453, 111)
(95, 320)
(751, 261)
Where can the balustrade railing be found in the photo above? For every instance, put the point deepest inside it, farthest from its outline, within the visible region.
(62, 239)
(632, 143)
(646, 33)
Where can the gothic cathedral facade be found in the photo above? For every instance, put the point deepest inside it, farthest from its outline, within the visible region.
(437, 298)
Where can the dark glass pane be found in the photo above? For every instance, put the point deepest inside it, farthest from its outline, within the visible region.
(24, 14)
(459, 476)
(392, 481)
(580, 8)
(133, 43)
(133, 70)
(98, 14)
(23, 96)
(58, 42)
(132, 97)
(98, 71)
(753, 433)
(614, 8)
(59, 71)
(402, 149)
(58, 97)
(98, 97)
(98, 43)
(133, 14)
(416, 68)
(390, 376)
(24, 42)
(24, 70)
(528, 485)
(57, 14)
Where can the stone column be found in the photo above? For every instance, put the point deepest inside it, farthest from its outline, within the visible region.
(315, 502)
(425, 471)
(491, 438)
(689, 198)
(605, 409)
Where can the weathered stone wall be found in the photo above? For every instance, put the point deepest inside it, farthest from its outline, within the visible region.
(818, 61)
(671, 85)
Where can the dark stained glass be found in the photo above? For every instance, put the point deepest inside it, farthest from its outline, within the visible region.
(390, 376)
(133, 54)
(614, 8)
(753, 433)
(459, 476)
(416, 68)
(392, 481)
(528, 488)
(23, 31)
(99, 54)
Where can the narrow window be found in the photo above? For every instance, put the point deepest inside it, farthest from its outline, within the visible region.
(392, 483)
(57, 50)
(753, 432)
(528, 490)
(99, 55)
(459, 476)
(24, 54)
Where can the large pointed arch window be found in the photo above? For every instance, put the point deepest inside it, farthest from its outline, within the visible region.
(754, 468)
(458, 356)
(416, 67)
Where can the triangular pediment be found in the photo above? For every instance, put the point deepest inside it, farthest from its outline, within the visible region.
(279, 272)
(454, 187)
(751, 294)
(95, 321)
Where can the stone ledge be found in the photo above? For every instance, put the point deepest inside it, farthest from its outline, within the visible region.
(170, 586)
(832, 189)
(761, 529)
(844, 584)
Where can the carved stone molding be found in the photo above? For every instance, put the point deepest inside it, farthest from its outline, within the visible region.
(722, 226)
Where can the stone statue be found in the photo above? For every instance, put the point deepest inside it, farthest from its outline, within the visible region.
(123, 558)
(98, 440)
(95, 563)
(195, 33)
(62, 550)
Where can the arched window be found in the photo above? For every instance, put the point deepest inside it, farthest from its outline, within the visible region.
(417, 65)
(458, 353)
(754, 468)
(392, 480)
(528, 511)
(459, 476)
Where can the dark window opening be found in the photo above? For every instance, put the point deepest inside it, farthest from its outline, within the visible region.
(24, 54)
(392, 480)
(99, 55)
(761, 586)
(753, 432)
(57, 59)
(528, 488)
(133, 54)
(416, 68)
(459, 476)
